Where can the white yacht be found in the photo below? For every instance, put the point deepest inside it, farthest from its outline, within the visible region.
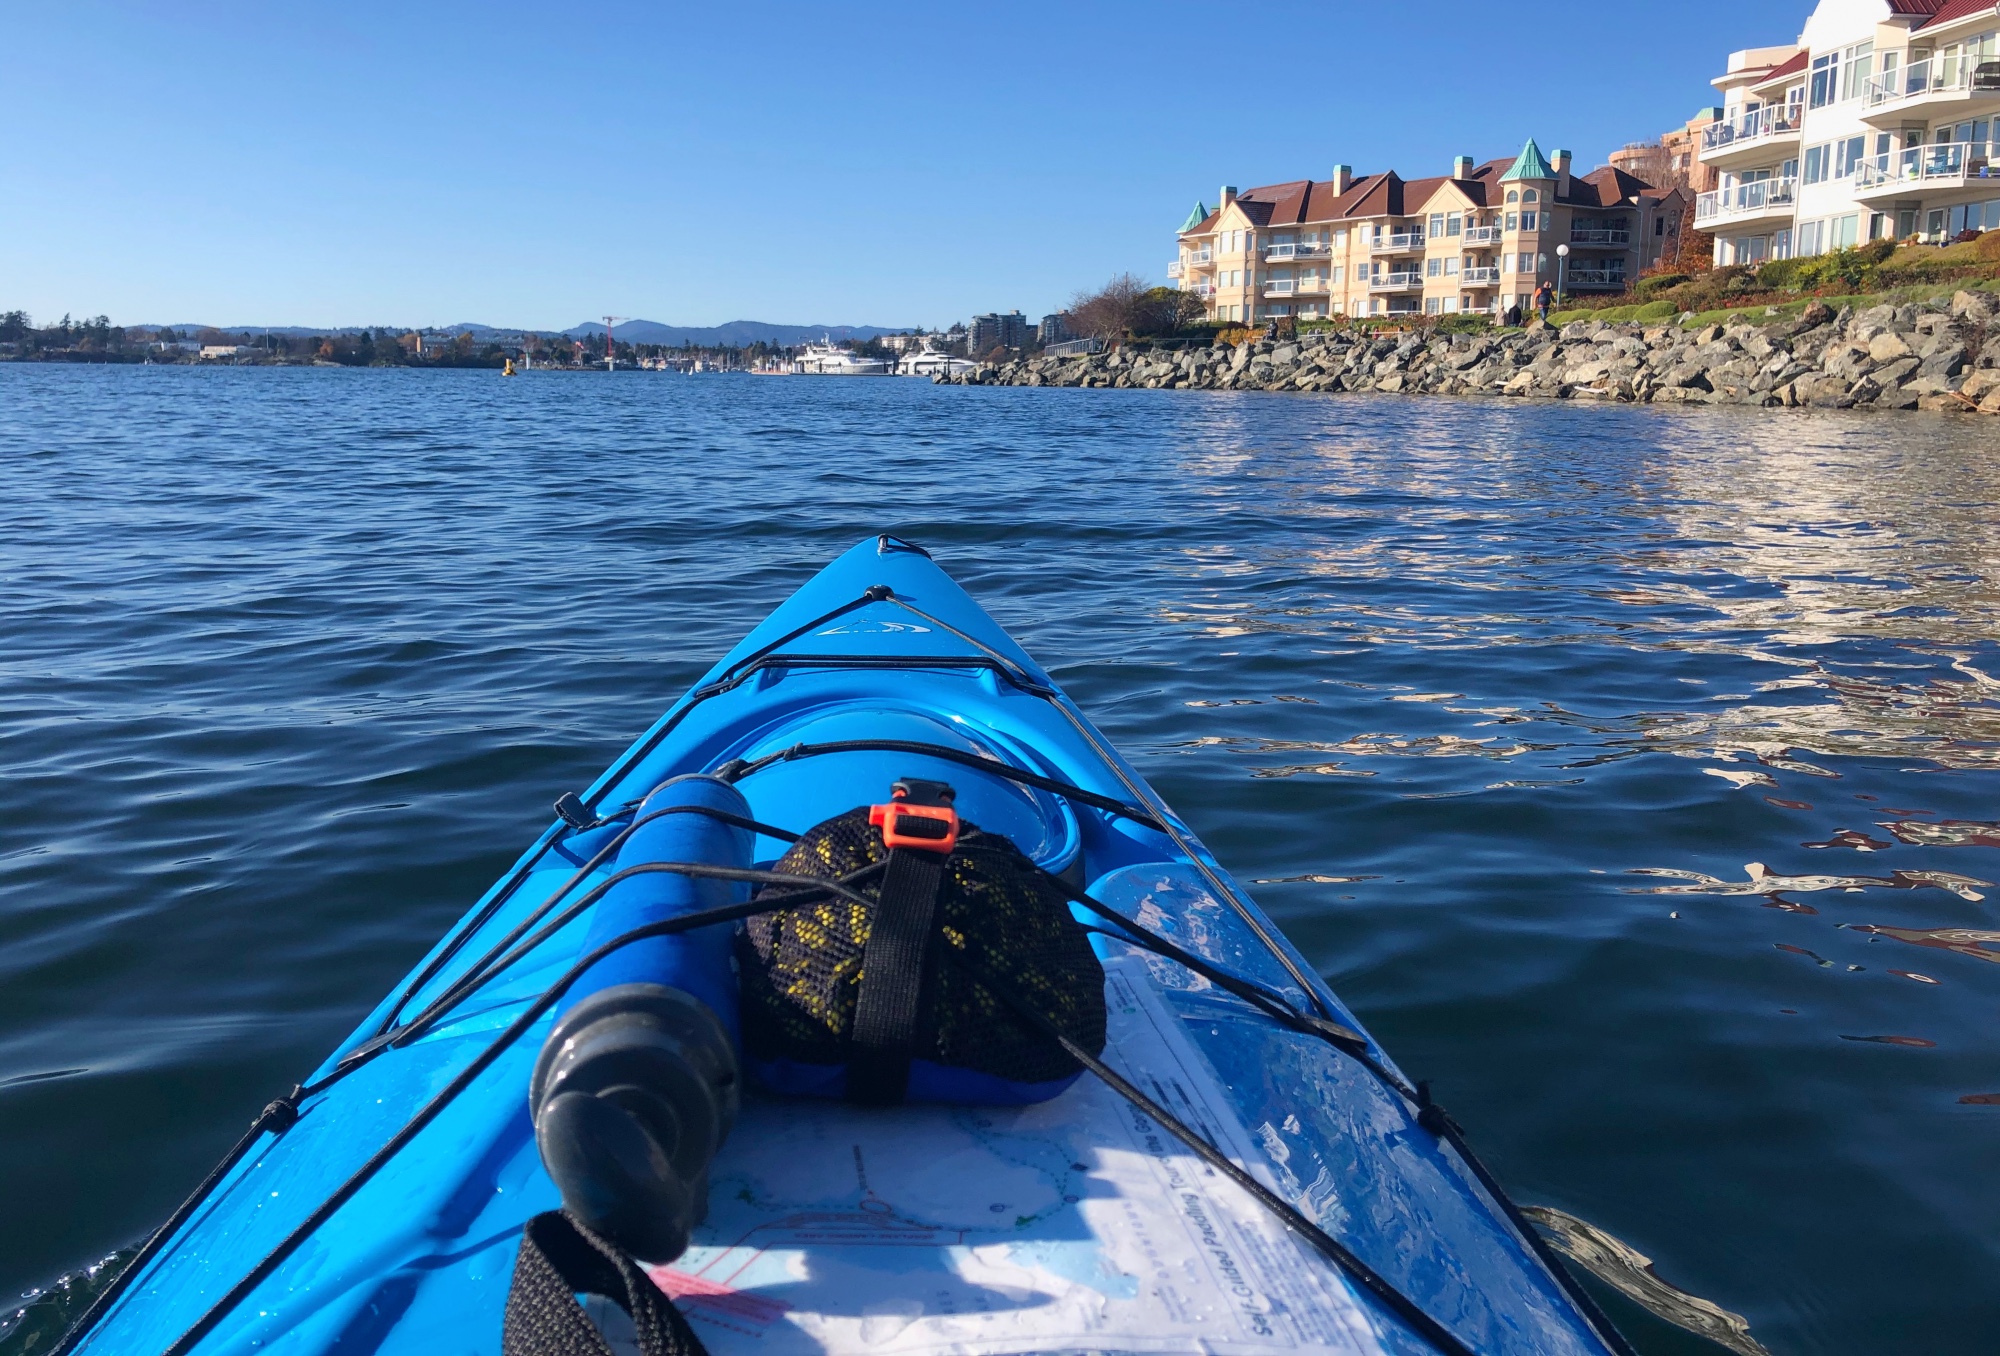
(930, 363)
(824, 360)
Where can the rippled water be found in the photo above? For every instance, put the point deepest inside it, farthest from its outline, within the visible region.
(1636, 773)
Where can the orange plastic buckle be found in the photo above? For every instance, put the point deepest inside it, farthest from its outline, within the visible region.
(934, 828)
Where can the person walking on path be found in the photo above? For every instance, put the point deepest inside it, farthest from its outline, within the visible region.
(1544, 295)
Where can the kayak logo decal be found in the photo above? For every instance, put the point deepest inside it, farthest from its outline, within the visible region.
(873, 628)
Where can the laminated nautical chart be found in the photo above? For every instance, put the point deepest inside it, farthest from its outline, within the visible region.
(1077, 1225)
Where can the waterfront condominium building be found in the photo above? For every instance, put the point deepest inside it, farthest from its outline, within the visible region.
(1481, 238)
(1878, 122)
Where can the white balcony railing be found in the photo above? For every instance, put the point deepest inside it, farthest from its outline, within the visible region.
(1478, 277)
(1481, 235)
(1600, 235)
(1395, 282)
(1202, 288)
(1759, 195)
(1174, 269)
(1201, 257)
(1304, 249)
(1278, 287)
(1940, 163)
(1311, 286)
(1948, 76)
(1768, 123)
(1400, 242)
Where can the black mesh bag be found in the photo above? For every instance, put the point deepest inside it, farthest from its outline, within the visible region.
(809, 1001)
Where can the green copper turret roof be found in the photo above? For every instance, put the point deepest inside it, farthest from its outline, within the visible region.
(1195, 218)
(1530, 164)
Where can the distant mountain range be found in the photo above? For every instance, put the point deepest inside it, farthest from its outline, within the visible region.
(736, 333)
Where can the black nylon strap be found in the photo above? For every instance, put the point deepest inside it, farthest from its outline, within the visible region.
(559, 1258)
(892, 977)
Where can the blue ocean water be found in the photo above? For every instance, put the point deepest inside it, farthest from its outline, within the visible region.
(1635, 773)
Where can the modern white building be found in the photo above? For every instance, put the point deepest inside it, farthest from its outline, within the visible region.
(1880, 121)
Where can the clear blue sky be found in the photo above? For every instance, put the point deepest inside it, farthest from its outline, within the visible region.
(857, 163)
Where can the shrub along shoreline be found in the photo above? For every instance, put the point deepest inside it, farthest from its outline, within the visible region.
(1940, 352)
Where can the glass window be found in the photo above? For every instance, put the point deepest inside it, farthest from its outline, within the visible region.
(1860, 64)
(1846, 231)
(1847, 155)
(1816, 161)
(1513, 220)
(1531, 195)
(1825, 80)
(1452, 222)
(1513, 195)
(1451, 268)
(1527, 221)
(1430, 305)
(1437, 225)
(1340, 236)
(1336, 272)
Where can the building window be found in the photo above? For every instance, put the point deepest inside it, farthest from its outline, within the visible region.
(1513, 219)
(1527, 221)
(1450, 305)
(1340, 236)
(1452, 222)
(1847, 156)
(1781, 244)
(1513, 195)
(1530, 195)
(1659, 225)
(1825, 80)
(1430, 305)
(1437, 225)
(1433, 268)
(1817, 158)
(1334, 274)
(1860, 64)
(1451, 268)
(1844, 231)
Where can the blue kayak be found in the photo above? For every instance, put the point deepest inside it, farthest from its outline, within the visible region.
(1245, 1171)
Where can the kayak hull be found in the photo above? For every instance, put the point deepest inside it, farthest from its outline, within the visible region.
(421, 1257)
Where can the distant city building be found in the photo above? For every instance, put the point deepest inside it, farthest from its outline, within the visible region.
(1878, 123)
(1482, 238)
(1054, 329)
(984, 333)
(220, 350)
(1674, 161)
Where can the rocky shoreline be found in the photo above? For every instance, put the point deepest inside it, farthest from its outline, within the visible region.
(1941, 355)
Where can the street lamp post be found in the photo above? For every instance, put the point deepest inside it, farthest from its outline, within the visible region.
(1562, 270)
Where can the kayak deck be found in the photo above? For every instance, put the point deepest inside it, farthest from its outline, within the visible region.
(1075, 1225)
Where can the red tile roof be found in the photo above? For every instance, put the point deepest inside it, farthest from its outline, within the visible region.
(1388, 195)
(1916, 6)
(1956, 9)
(1797, 62)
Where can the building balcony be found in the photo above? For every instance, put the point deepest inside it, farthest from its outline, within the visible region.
(1934, 88)
(1174, 269)
(1769, 133)
(1594, 279)
(1396, 282)
(1480, 235)
(1478, 277)
(1305, 249)
(1201, 258)
(1401, 242)
(1942, 172)
(1761, 202)
(1201, 287)
(1600, 237)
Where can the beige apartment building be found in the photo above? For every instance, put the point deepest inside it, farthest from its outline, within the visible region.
(1481, 238)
